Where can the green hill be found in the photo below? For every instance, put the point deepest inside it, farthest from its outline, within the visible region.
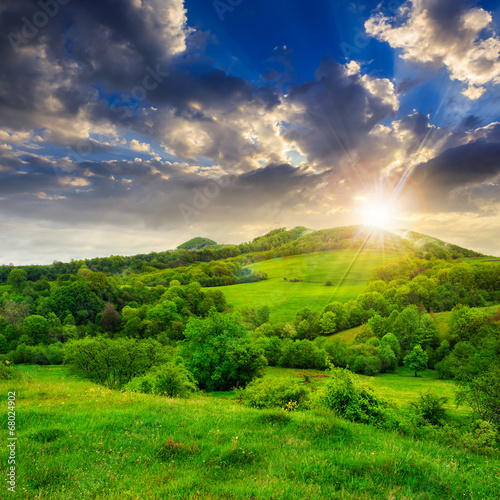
(197, 243)
(347, 270)
(437, 247)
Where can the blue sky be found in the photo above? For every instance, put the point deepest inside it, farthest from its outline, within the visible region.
(129, 126)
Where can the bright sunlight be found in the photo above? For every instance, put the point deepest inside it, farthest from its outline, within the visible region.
(376, 213)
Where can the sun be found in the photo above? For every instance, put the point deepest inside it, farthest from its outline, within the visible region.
(378, 213)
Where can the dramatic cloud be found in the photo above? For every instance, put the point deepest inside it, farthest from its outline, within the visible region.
(118, 117)
(330, 116)
(444, 32)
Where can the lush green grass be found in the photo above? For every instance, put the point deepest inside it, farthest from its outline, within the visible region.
(77, 440)
(401, 387)
(480, 260)
(347, 270)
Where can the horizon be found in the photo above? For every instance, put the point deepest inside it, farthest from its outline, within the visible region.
(309, 230)
(129, 127)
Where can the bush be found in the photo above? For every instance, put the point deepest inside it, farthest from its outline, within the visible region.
(431, 408)
(114, 363)
(7, 371)
(275, 394)
(171, 379)
(303, 354)
(38, 355)
(353, 402)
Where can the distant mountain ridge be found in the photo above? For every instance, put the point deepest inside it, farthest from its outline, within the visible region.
(280, 242)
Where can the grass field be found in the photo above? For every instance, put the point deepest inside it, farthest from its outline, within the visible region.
(401, 387)
(347, 270)
(77, 440)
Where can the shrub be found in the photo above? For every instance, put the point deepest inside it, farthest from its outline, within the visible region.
(171, 379)
(7, 371)
(351, 401)
(275, 394)
(39, 355)
(114, 363)
(431, 408)
(303, 354)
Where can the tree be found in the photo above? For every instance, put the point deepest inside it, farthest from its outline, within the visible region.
(483, 395)
(219, 352)
(327, 323)
(110, 318)
(16, 279)
(98, 283)
(114, 363)
(417, 360)
(37, 328)
(15, 312)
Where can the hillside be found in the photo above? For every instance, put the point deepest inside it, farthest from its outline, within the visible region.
(196, 243)
(437, 247)
(301, 281)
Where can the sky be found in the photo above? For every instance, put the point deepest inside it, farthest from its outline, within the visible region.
(131, 126)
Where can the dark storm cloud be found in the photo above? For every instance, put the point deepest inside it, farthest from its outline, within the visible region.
(457, 179)
(148, 193)
(339, 110)
(118, 48)
(470, 122)
(280, 179)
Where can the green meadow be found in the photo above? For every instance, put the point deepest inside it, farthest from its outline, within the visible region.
(347, 270)
(77, 440)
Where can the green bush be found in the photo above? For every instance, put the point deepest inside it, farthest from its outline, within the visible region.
(431, 408)
(114, 363)
(38, 355)
(7, 371)
(171, 379)
(303, 354)
(272, 394)
(353, 402)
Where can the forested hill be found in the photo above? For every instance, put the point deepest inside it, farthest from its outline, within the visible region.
(277, 243)
(196, 244)
(436, 247)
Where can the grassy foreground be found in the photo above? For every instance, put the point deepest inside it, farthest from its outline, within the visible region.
(347, 270)
(78, 440)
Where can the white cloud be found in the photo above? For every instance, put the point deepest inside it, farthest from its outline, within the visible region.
(457, 42)
(135, 145)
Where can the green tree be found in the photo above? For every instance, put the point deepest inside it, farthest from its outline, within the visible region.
(219, 352)
(327, 323)
(37, 328)
(98, 283)
(16, 279)
(15, 312)
(3, 344)
(114, 363)
(417, 360)
(483, 395)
